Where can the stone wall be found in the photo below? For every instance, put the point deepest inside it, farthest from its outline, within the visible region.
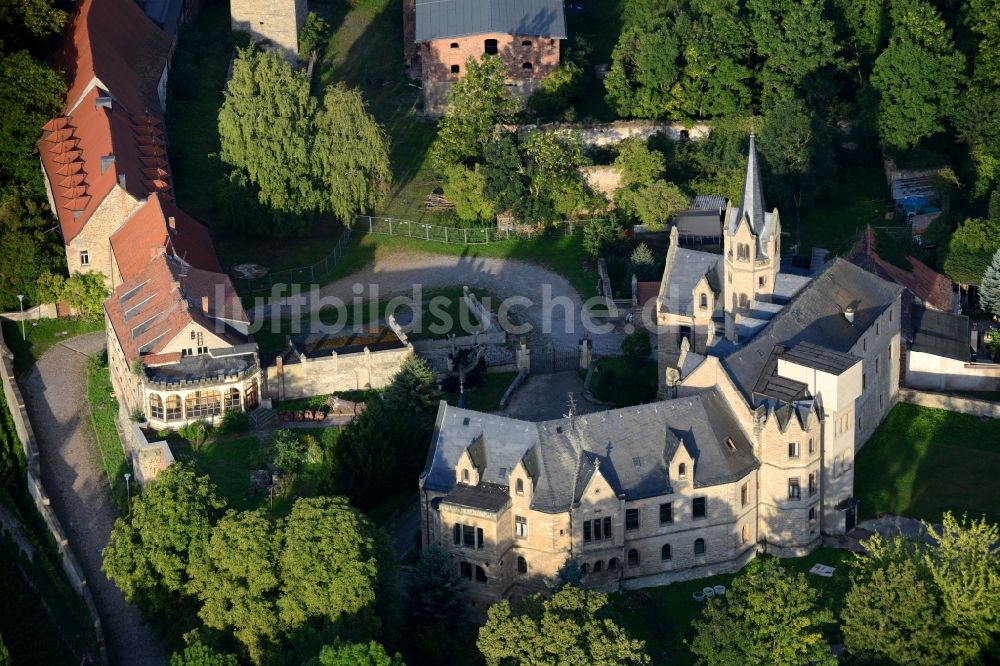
(70, 565)
(939, 373)
(610, 134)
(95, 237)
(271, 21)
(339, 372)
(951, 402)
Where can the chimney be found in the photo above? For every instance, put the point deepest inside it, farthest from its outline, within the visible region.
(849, 314)
(172, 222)
(204, 304)
(107, 161)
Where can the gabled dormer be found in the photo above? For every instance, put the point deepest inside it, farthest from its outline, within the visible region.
(471, 463)
(679, 462)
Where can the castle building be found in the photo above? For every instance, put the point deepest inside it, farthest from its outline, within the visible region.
(271, 23)
(178, 349)
(774, 382)
(439, 37)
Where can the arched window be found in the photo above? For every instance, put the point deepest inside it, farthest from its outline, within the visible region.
(703, 301)
(526, 66)
(598, 566)
(613, 564)
(490, 46)
(455, 69)
(202, 403)
(699, 546)
(744, 301)
(812, 515)
(665, 552)
(465, 476)
(155, 406)
(633, 558)
(174, 408)
(250, 397)
(480, 574)
(519, 487)
(232, 400)
(526, 42)
(744, 534)
(454, 45)
(682, 471)
(522, 565)
(584, 568)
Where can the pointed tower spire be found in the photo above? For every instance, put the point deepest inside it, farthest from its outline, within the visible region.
(753, 194)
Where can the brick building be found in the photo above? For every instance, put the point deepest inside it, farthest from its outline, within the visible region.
(178, 348)
(439, 37)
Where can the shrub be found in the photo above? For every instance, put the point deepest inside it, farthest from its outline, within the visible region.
(197, 433)
(234, 421)
(138, 416)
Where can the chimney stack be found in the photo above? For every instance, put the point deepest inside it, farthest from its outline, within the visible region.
(204, 304)
(849, 314)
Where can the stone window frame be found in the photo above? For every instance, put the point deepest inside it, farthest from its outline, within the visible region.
(522, 565)
(455, 69)
(703, 301)
(812, 515)
(812, 484)
(598, 566)
(633, 557)
(613, 564)
(520, 527)
(793, 450)
(682, 471)
(84, 258)
(701, 501)
(794, 489)
(665, 554)
(699, 543)
(155, 406)
(491, 47)
(519, 487)
(666, 513)
(632, 521)
(745, 494)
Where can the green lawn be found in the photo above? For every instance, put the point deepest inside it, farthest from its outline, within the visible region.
(922, 462)
(42, 334)
(103, 409)
(486, 398)
(662, 616)
(613, 381)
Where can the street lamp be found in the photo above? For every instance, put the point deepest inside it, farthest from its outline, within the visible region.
(20, 299)
(128, 493)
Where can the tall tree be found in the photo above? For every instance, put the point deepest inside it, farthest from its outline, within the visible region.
(149, 552)
(29, 247)
(862, 22)
(479, 102)
(917, 76)
(989, 286)
(978, 116)
(196, 653)
(35, 18)
(335, 566)
(567, 629)
(236, 580)
(643, 70)
(768, 617)
(796, 43)
(351, 154)
(798, 152)
(637, 164)
(436, 609)
(970, 249)
(355, 654)
(412, 396)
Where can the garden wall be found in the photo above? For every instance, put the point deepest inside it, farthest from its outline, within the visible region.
(19, 414)
(329, 374)
(952, 403)
(939, 373)
(608, 134)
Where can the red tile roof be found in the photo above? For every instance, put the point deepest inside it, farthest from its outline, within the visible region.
(157, 225)
(935, 290)
(114, 43)
(152, 307)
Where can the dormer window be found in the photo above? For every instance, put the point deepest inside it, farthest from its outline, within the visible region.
(519, 487)
(465, 476)
(682, 471)
(703, 301)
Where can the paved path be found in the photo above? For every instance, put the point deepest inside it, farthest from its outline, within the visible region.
(546, 397)
(55, 393)
(396, 273)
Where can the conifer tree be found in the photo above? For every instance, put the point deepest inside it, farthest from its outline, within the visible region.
(989, 286)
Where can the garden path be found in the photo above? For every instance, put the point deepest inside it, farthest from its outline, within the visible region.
(55, 393)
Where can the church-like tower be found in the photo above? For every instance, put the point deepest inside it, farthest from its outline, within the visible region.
(751, 247)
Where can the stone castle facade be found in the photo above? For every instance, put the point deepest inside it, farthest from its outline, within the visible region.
(769, 394)
(271, 23)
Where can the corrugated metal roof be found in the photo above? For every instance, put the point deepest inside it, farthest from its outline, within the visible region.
(439, 19)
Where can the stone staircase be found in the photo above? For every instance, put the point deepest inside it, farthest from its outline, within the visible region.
(262, 418)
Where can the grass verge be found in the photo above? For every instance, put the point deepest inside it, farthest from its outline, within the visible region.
(922, 462)
(103, 409)
(662, 616)
(486, 398)
(40, 335)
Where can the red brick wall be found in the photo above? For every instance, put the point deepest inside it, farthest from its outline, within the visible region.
(437, 57)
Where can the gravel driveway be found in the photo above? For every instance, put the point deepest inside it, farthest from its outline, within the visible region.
(55, 393)
(396, 273)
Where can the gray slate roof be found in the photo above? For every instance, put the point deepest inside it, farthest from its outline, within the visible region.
(683, 273)
(629, 446)
(752, 204)
(816, 315)
(941, 334)
(439, 19)
(819, 358)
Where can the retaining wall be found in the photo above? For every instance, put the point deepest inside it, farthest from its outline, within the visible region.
(952, 403)
(22, 425)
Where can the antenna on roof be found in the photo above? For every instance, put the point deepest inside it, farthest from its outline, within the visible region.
(571, 404)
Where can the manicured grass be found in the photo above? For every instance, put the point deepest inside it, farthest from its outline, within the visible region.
(42, 334)
(486, 398)
(661, 616)
(103, 409)
(625, 389)
(228, 463)
(922, 462)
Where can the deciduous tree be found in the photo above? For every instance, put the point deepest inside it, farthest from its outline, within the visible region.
(653, 205)
(342, 653)
(917, 76)
(464, 188)
(196, 653)
(236, 580)
(335, 566)
(638, 165)
(567, 629)
(643, 70)
(768, 617)
(971, 249)
(479, 101)
(27, 250)
(148, 553)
